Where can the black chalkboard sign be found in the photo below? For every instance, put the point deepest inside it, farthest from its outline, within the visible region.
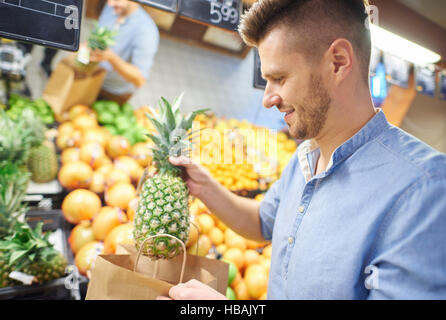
(259, 82)
(168, 5)
(220, 13)
(51, 23)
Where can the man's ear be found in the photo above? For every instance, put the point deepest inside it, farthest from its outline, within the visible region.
(340, 57)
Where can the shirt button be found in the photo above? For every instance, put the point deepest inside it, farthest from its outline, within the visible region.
(290, 240)
(301, 209)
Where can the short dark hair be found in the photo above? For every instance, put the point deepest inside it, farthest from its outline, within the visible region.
(318, 22)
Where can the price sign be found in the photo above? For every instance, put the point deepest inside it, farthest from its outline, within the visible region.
(168, 5)
(443, 85)
(259, 82)
(425, 80)
(397, 70)
(374, 60)
(221, 13)
(51, 23)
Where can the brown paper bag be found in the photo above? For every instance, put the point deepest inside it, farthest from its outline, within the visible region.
(169, 270)
(67, 87)
(115, 277)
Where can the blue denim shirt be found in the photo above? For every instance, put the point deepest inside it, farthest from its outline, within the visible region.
(373, 226)
(137, 42)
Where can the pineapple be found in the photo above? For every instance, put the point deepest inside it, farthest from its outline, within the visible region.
(100, 39)
(13, 185)
(30, 252)
(42, 162)
(163, 201)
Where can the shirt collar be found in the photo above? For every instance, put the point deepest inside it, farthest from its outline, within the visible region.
(308, 149)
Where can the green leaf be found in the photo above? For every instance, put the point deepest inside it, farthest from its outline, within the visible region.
(16, 255)
(170, 118)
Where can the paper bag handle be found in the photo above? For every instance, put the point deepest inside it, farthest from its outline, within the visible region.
(183, 267)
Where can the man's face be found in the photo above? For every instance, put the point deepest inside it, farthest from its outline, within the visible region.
(120, 6)
(294, 86)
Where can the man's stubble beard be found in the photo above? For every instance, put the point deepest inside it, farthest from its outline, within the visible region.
(312, 112)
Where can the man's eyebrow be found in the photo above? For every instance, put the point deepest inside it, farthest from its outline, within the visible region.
(271, 74)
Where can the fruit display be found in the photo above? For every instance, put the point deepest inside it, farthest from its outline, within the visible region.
(18, 104)
(249, 260)
(163, 206)
(22, 249)
(105, 150)
(30, 252)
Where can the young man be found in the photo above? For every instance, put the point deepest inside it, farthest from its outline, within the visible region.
(130, 60)
(360, 211)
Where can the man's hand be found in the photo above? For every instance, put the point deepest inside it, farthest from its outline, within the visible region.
(193, 290)
(100, 56)
(196, 177)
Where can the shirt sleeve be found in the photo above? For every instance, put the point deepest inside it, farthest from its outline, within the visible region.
(410, 258)
(144, 51)
(268, 210)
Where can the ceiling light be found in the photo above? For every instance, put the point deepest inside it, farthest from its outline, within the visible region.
(401, 47)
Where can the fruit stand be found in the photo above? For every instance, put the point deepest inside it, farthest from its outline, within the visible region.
(98, 157)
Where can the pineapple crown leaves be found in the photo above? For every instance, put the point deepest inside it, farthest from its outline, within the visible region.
(15, 140)
(36, 127)
(173, 130)
(101, 38)
(26, 246)
(13, 184)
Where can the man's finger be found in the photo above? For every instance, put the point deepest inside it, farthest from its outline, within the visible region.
(181, 161)
(162, 298)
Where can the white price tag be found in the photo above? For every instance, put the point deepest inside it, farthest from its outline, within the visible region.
(22, 277)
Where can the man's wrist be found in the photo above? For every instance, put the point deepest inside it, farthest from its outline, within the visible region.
(111, 57)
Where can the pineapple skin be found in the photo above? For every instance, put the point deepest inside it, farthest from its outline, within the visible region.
(42, 163)
(44, 271)
(163, 208)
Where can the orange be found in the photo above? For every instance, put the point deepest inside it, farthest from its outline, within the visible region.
(221, 248)
(81, 205)
(263, 296)
(235, 255)
(205, 222)
(256, 283)
(193, 236)
(86, 256)
(107, 219)
(251, 257)
(120, 194)
(267, 251)
(217, 236)
(241, 291)
(97, 184)
(236, 281)
(203, 244)
(254, 269)
(221, 226)
(70, 155)
(235, 241)
(122, 234)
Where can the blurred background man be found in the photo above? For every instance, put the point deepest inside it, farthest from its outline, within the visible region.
(129, 61)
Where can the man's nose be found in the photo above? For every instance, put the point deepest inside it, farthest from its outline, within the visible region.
(271, 100)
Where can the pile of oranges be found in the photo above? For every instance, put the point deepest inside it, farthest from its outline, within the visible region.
(251, 258)
(101, 173)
